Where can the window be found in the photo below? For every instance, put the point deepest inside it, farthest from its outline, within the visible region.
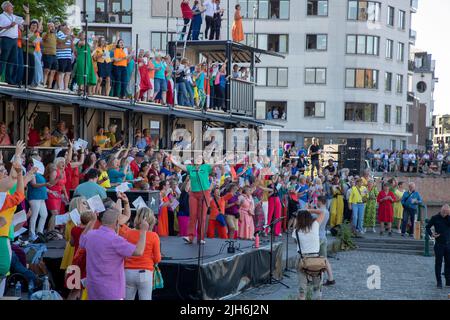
(266, 9)
(363, 10)
(399, 83)
(314, 109)
(317, 8)
(361, 44)
(391, 16)
(403, 144)
(398, 117)
(393, 144)
(316, 42)
(364, 112)
(271, 110)
(272, 42)
(387, 114)
(401, 19)
(361, 78)
(272, 77)
(110, 34)
(389, 49)
(112, 11)
(315, 76)
(400, 51)
(159, 41)
(388, 81)
(421, 86)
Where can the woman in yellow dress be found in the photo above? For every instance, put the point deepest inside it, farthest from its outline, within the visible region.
(337, 204)
(238, 30)
(398, 207)
(81, 205)
(100, 139)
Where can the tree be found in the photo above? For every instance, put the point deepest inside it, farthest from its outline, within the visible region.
(47, 9)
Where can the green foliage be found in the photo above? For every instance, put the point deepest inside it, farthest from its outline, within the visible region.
(47, 9)
(345, 235)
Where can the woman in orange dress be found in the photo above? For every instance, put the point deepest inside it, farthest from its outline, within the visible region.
(163, 217)
(238, 30)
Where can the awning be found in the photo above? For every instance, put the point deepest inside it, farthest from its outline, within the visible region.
(215, 50)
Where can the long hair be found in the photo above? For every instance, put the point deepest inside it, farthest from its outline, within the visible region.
(146, 214)
(304, 221)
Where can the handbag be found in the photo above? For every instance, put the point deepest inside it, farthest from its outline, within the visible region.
(220, 218)
(158, 281)
(312, 266)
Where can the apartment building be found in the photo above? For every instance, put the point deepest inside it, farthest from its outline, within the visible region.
(441, 136)
(345, 72)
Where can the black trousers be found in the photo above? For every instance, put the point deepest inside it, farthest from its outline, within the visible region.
(408, 216)
(209, 27)
(215, 34)
(442, 254)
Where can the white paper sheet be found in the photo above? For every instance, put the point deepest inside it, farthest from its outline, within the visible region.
(80, 144)
(19, 217)
(2, 198)
(96, 204)
(62, 219)
(57, 150)
(39, 165)
(174, 204)
(19, 232)
(139, 202)
(75, 217)
(123, 187)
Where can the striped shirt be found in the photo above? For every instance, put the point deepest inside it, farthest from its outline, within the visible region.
(65, 53)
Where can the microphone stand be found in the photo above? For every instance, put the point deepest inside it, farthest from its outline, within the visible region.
(272, 280)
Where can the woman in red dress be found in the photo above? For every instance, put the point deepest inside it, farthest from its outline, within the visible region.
(386, 201)
(57, 178)
(145, 84)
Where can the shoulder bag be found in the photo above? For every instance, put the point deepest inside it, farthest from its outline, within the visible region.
(312, 266)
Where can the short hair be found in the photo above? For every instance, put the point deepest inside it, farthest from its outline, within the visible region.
(5, 4)
(145, 213)
(322, 199)
(85, 217)
(91, 174)
(110, 216)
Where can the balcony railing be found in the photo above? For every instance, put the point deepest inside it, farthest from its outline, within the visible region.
(241, 99)
(118, 17)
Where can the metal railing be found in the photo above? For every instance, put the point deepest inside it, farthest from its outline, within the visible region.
(241, 97)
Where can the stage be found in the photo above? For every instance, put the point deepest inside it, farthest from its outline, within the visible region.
(221, 274)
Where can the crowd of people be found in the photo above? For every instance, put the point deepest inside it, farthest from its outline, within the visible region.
(64, 58)
(197, 201)
(417, 161)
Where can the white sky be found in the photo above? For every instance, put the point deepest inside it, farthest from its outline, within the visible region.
(432, 25)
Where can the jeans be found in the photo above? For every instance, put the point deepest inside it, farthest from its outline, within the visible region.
(18, 267)
(38, 208)
(120, 86)
(182, 94)
(8, 58)
(408, 213)
(140, 282)
(19, 70)
(358, 216)
(442, 254)
(190, 91)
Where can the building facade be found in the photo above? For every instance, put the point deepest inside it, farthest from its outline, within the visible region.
(441, 136)
(345, 72)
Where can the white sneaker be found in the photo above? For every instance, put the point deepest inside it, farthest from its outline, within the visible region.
(364, 230)
(202, 242)
(187, 240)
(373, 230)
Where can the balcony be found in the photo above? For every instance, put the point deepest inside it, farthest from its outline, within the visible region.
(109, 11)
(411, 66)
(412, 36)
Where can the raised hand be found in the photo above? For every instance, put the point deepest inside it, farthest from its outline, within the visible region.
(144, 226)
(20, 147)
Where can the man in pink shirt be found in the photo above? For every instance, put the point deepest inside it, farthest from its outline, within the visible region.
(105, 254)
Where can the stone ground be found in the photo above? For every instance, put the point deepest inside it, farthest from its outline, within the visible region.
(403, 277)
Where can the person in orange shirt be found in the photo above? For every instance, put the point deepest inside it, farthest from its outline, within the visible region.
(217, 206)
(151, 73)
(139, 269)
(121, 58)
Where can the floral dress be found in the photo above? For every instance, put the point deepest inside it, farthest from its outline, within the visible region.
(370, 214)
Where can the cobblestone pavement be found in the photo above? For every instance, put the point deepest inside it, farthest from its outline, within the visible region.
(403, 277)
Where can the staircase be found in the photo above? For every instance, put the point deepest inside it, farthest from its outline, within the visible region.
(396, 244)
